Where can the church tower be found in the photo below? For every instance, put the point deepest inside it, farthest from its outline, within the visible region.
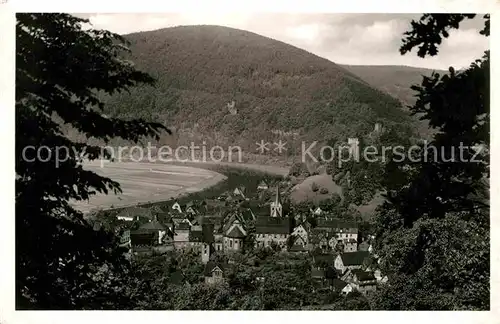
(276, 207)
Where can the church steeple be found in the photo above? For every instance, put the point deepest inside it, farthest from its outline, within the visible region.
(276, 207)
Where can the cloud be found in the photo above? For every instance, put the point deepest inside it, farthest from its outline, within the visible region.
(370, 39)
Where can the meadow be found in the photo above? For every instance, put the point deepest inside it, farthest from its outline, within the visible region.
(147, 182)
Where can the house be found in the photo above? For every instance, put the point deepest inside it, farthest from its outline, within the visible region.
(191, 210)
(214, 272)
(132, 213)
(298, 248)
(317, 273)
(234, 234)
(233, 240)
(239, 192)
(262, 186)
(378, 275)
(351, 260)
(338, 230)
(361, 280)
(125, 239)
(341, 287)
(323, 275)
(177, 217)
(165, 219)
(350, 245)
(318, 211)
(195, 238)
(246, 216)
(364, 246)
(213, 204)
(301, 235)
(272, 229)
(154, 227)
(176, 206)
(140, 239)
(203, 241)
(181, 235)
(323, 260)
(319, 238)
(276, 206)
(125, 217)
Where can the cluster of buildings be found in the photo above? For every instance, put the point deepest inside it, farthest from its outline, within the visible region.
(216, 226)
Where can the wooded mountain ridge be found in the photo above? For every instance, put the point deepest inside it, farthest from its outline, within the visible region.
(226, 86)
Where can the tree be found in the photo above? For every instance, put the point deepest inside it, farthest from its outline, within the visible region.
(61, 69)
(432, 233)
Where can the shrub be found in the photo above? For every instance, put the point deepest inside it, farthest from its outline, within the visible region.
(323, 191)
(314, 187)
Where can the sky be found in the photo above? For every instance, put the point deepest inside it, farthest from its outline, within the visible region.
(357, 39)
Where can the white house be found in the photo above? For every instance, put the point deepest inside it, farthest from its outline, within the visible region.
(301, 235)
(125, 218)
(177, 207)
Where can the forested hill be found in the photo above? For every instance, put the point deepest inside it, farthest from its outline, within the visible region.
(396, 81)
(277, 90)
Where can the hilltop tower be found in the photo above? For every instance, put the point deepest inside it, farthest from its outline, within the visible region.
(353, 143)
(276, 207)
(231, 107)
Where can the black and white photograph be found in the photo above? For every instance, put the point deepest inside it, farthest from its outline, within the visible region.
(265, 161)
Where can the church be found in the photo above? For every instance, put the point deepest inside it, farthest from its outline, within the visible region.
(275, 228)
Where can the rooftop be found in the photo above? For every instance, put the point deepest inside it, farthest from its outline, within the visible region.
(317, 273)
(337, 224)
(298, 248)
(235, 233)
(354, 258)
(154, 225)
(195, 236)
(363, 275)
(183, 226)
(324, 258)
(140, 238)
(211, 265)
(339, 284)
(135, 211)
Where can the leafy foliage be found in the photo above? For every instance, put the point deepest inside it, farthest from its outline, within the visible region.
(60, 68)
(433, 231)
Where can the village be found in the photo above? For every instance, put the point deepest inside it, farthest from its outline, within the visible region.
(235, 222)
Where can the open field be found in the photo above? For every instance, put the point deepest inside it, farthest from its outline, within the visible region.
(270, 169)
(147, 182)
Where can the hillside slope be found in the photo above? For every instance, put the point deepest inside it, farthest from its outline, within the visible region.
(396, 81)
(232, 87)
(393, 79)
